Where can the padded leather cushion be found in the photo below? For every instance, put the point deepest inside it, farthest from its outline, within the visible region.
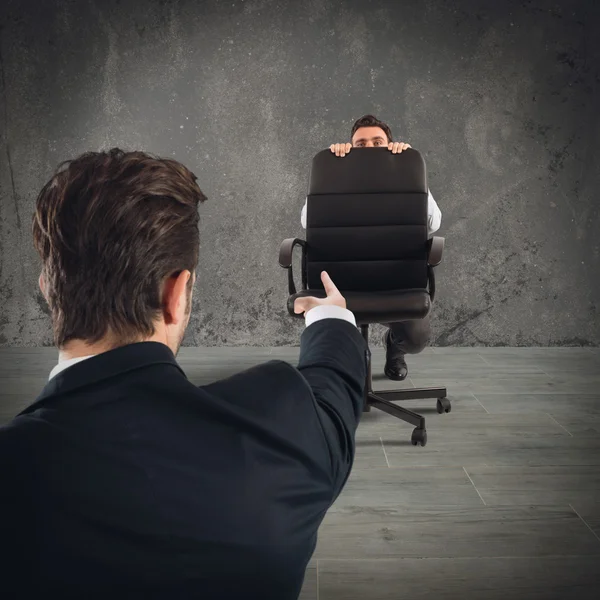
(368, 171)
(378, 307)
(367, 220)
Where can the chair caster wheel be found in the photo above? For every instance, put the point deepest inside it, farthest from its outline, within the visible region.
(419, 436)
(443, 405)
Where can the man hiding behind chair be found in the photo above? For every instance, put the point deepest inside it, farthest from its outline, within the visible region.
(124, 479)
(405, 337)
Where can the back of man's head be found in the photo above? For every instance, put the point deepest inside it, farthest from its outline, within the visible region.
(110, 228)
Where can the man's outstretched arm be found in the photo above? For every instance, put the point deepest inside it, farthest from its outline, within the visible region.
(333, 361)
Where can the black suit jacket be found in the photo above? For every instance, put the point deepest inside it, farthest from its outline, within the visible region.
(123, 475)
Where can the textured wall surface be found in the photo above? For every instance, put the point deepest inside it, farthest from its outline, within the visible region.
(500, 97)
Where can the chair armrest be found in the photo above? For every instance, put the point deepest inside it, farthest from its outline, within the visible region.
(431, 282)
(286, 251)
(434, 253)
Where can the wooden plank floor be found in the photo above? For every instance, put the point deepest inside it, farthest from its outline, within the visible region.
(503, 502)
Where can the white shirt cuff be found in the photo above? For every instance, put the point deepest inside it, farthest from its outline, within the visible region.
(329, 312)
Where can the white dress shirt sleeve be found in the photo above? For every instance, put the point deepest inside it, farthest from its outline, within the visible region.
(434, 215)
(303, 214)
(328, 312)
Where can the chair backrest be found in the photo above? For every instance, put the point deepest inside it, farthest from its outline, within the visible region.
(367, 220)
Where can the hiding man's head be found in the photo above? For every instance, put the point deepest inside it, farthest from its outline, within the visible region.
(370, 132)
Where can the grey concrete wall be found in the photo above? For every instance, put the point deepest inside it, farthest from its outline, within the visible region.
(500, 97)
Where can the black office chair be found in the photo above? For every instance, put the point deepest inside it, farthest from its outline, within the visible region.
(367, 227)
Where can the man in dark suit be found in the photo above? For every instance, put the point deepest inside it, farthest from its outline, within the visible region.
(123, 477)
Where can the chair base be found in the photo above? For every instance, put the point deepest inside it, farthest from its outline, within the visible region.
(381, 401)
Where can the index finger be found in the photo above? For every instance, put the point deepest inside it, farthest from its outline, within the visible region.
(328, 284)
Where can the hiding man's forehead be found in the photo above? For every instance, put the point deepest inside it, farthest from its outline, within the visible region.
(375, 137)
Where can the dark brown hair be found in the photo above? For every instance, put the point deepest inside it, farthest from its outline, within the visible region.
(111, 227)
(371, 121)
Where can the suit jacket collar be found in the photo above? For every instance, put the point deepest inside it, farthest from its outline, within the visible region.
(104, 366)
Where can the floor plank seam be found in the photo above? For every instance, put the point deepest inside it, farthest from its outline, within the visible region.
(474, 557)
(562, 426)
(465, 470)
(585, 522)
(485, 361)
(384, 452)
(482, 406)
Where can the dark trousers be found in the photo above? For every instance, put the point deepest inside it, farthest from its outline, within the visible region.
(410, 337)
